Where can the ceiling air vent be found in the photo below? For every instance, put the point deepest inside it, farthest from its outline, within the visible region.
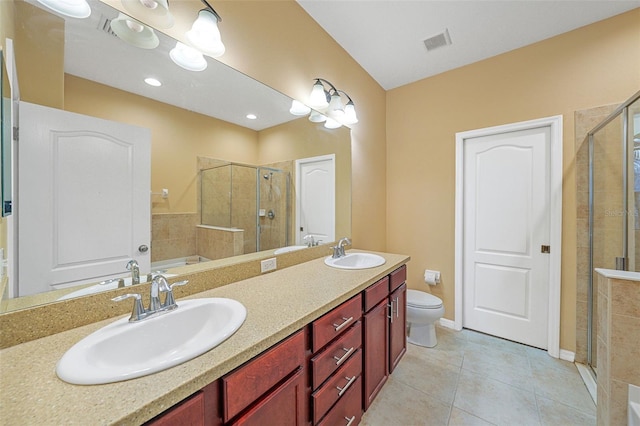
(437, 41)
(104, 25)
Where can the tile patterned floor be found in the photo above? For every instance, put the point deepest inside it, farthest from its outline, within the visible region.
(470, 378)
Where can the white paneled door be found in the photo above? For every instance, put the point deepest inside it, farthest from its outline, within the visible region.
(316, 198)
(507, 235)
(83, 198)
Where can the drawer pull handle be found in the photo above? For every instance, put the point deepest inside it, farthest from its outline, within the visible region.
(390, 316)
(344, 389)
(397, 306)
(340, 360)
(350, 420)
(341, 326)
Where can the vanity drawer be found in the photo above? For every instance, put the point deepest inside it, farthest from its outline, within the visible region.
(348, 410)
(337, 386)
(375, 293)
(250, 381)
(331, 324)
(398, 277)
(329, 360)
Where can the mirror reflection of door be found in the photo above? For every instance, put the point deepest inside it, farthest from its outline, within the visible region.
(83, 198)
(315, 198)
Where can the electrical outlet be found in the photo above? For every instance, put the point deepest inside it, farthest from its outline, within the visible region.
(268, 265)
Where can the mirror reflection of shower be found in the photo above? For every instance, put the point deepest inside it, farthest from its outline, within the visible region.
(245, 208)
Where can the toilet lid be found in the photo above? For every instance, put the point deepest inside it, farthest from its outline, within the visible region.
(420, 299)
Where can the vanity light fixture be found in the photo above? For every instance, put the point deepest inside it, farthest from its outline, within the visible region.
(204, 34)
(188, 58)
(327, 106)
(72, 8)
(298, 108)
(134, 32)
(155, 12)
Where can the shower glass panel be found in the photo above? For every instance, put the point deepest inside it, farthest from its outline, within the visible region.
(614, 200)
(253, 199)
(273, 214)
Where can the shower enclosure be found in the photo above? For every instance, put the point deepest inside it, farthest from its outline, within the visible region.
(253, 199)
(613, 203)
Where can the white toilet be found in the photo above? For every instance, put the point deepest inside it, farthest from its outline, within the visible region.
(423, 310)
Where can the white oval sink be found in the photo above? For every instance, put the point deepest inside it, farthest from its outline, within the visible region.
(356, 261)
(288, 249)
(99, 288)
(124, 350)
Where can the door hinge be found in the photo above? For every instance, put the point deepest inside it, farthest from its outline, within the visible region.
(16, 133)
(545, 249)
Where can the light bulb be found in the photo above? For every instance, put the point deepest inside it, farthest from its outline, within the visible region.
(332, 124)
(154, 12)
(336, 109)
(188, 58)
(316, 117)
(298, 108)
(318, 97)
(134, 32)
(72, 8)
(205, 35)
(350, 114)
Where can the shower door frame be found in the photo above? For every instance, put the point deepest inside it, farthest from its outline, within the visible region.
(623, 110)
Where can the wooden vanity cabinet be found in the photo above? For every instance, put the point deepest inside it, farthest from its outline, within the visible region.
(200, 409)
(384, 331)
(336, 363)
(270, 387)
(376, 339)
(327, 373)
(398, 316)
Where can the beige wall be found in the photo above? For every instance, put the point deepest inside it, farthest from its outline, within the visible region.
(594, 65)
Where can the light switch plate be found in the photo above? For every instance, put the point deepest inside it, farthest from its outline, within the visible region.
(268, 265)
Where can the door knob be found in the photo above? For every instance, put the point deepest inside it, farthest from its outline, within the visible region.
(143, 248)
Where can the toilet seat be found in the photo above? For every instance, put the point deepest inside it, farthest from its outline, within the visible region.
(422, 300)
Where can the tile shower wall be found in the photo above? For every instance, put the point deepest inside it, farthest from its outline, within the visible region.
(585, 120)
(214, 243)
(618, 348)
(173, 235)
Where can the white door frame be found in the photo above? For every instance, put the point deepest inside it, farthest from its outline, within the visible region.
(555, 126)
(298, 166)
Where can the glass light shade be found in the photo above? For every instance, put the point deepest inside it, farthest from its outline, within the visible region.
(318, 97)
(72, 8)
(154, 12)
(332, 124)
(350, 114)
(205, 35)
(336, 109)
(134, 33)
(316, 117)
(298, 108)
(188, 58)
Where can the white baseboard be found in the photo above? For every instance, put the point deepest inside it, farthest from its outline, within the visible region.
(448, 324)
(567, 355)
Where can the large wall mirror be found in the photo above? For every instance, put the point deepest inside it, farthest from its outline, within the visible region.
(205, 153)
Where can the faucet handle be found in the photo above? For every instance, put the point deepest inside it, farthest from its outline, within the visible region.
(138, 310)
(131, 264)
(120, 282)
(169, 300)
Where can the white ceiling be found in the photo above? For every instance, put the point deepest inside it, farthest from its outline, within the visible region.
(386, 36)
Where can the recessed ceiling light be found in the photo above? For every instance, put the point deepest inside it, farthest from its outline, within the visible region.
(152, 82)
(252, 116)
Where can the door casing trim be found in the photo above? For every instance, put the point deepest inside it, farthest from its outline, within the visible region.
(554, 123)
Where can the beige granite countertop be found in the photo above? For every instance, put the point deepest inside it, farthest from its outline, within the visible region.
(278, 304)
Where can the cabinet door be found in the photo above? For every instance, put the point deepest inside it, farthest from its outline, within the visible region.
(376, 344)
(398, 326)
(284, 406)
(189, 412)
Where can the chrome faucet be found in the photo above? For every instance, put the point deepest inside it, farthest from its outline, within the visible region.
(159, 285)
(311, 240)
(135, 271)
(338, 250)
